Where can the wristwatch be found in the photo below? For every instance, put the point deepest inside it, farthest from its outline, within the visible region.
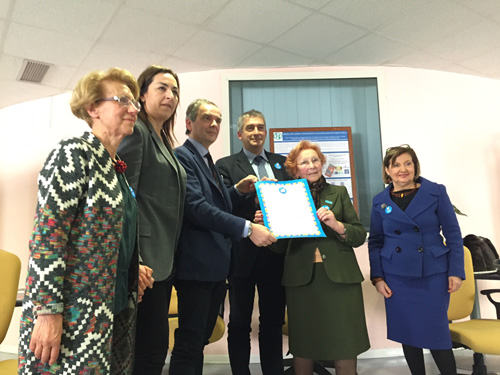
(249, 230)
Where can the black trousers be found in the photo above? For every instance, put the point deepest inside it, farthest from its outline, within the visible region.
(151, 342)
(199, 303)
(265, 276)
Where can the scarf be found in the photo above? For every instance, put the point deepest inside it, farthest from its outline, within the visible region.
(316, 189)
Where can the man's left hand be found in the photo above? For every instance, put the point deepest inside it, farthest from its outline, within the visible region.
(247, 184)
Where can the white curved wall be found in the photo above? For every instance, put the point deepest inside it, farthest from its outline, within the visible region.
(451, 120)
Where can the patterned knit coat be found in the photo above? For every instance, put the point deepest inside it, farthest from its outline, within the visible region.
(72, 265)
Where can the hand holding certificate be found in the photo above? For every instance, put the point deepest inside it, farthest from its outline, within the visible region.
(288, 209)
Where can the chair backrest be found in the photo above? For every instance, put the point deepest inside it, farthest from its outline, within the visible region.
(173, 322)
(172, 308)
(284, 329)
(10, 267)
(462, 301)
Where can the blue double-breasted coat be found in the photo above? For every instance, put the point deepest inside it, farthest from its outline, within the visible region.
(410, 243)
(408, 250)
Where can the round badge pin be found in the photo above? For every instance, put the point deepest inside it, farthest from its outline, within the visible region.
(388, 209)
(277, 166)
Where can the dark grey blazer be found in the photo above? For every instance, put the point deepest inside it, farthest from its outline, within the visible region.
(159, 182)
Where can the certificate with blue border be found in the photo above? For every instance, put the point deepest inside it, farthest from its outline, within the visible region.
(288, 209)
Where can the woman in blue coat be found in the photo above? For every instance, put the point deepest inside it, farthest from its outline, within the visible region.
(411, 266)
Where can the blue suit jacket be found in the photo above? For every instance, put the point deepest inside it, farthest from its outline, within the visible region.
(409, 243)
(204, 250)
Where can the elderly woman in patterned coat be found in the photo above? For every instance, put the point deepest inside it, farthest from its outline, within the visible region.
(83, 280)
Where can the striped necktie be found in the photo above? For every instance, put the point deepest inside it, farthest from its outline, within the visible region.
(260, 162)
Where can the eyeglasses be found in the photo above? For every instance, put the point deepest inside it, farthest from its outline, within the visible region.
(124, 101)
(305, 163)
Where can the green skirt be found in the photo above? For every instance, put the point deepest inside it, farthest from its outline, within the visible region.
(326, 320)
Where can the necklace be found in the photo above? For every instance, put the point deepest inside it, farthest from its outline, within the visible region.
(403, 193)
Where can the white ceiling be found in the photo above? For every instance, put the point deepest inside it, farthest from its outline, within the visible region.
(77, 36)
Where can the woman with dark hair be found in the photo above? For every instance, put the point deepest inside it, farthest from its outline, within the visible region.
(411, 266)
(79, 307)
(159, 181)
(321, 276)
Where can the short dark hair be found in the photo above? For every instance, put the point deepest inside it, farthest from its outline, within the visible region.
(144, 80)
(392, 154)
(247, 114)
(192, 110)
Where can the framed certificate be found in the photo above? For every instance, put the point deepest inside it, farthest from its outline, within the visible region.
(288, 209)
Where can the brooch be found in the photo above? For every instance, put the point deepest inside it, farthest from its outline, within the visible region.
(120, 166)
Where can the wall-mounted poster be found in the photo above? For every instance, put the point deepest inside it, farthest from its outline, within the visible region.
(335, 143)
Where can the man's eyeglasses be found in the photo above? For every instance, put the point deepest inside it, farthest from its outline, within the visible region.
(124, 101)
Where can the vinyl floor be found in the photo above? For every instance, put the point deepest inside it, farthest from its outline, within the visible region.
(378, 366)
(374, 366)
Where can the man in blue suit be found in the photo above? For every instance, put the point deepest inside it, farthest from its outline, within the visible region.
(204, 252)
(254, 267)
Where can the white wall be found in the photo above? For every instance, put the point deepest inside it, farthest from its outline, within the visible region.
(451, 120)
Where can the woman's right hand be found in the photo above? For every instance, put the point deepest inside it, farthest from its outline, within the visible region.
(259, 217)
(46, 338)
(145, 279)
(383, 289)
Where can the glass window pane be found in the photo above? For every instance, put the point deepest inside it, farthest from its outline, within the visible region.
(320, 103)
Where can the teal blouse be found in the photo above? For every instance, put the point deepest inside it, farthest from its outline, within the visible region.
(127, 244)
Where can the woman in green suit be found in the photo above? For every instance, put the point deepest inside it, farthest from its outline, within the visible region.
(322, 279)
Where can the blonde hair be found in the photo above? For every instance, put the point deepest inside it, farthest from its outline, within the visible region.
(89, 90)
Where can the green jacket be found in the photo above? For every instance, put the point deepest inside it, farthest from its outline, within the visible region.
(338, 255)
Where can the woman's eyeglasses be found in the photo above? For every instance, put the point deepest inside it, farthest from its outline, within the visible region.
(305, 163)
(124, 101)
